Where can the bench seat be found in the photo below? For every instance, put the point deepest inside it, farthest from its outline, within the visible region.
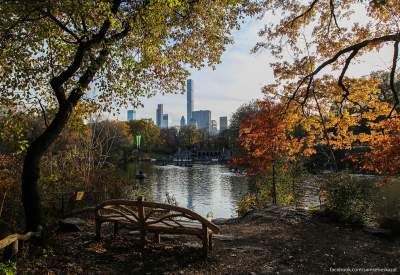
(157, 218)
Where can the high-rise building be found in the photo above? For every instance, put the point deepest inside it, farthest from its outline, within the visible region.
(164, 123)
(159, 115)
(183, 121)
(223, 123)
(214, 129)
(131, 115)
(189, 95)
(203, 119)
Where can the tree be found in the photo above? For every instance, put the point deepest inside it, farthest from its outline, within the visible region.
(324, 34)
(169, 139)
(234, 126)
(265, 137)
(324, 39)
(55, 52)
(189, 136)
(149, 132)
(335, 40)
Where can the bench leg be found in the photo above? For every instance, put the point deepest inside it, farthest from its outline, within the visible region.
(143, 238)
(157, 238)
(98, 230)
(205, 241)
(15, 248)
(210, 246)
(115, 229)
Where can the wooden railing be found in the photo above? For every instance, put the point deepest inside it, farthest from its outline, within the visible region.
(13, 240)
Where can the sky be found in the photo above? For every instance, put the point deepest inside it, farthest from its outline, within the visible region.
(239, 77)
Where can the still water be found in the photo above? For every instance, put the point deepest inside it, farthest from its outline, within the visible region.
(202, 188)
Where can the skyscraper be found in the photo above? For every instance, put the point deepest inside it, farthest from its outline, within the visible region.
(131, 115)
(223, 123)
(214, 129)
(183, 121)
(189, 94)
(203, 119)
(159, 115)
(164, 123)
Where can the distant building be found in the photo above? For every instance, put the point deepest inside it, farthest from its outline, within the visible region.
(192, 122)
(189, 95)
(214, 129)
(203, 119)
(183, 121)
(131, 115)
(223, 123)
(149, 120)
(164, 123)
(159, 115)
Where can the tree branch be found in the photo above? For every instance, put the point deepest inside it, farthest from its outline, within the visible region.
(392, 75)
(333, 15)
(310, 7)
(342, 74)
(43, 112)
(354, 49)
(62, 26)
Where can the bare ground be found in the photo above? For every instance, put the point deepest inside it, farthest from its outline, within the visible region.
(270, 241)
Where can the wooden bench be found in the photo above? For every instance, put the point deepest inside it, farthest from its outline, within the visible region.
(154, 218)
(14, 239)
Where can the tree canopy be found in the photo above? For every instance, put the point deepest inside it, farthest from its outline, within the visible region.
(69, 56)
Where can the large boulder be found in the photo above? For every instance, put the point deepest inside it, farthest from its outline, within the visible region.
(71, 225)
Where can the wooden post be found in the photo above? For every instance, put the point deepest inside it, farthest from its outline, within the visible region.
(62, 205)
(142, 221)
(115, 228)
(157, 238)
(210, 246)
(15, 248)
(98, 229)
(204, 238)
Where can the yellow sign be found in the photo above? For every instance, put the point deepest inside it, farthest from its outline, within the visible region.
(79, 195)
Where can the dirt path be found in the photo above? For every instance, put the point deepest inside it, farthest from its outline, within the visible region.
(272, 241)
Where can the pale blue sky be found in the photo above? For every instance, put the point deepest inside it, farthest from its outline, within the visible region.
(238, 79)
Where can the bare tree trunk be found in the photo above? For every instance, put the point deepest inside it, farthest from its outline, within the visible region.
(273, 184)
(31, 168)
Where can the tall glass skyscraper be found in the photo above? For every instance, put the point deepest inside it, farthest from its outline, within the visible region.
(164, 123)
(203, 119)
(159, 115)
(131, 115)
(189, 94)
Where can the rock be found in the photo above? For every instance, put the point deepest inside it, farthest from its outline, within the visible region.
(223, 237)
(275, 213)
(71, 225)
(381, 232)
(391, 224)
(221, 221)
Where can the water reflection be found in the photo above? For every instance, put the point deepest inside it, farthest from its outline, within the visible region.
(202, 188)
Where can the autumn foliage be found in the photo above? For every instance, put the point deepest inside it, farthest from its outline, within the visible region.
(384, 154)
(262, 135)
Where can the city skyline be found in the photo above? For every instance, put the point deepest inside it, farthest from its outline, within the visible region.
(222, 84)
(238, 79)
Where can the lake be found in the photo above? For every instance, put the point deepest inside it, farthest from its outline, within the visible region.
(202, 188)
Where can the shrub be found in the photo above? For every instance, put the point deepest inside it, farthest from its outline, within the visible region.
(247, 203)
(9, 268)
(387, 206)
(349, 198)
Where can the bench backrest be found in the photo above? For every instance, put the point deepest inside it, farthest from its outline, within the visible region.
(145, 213)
